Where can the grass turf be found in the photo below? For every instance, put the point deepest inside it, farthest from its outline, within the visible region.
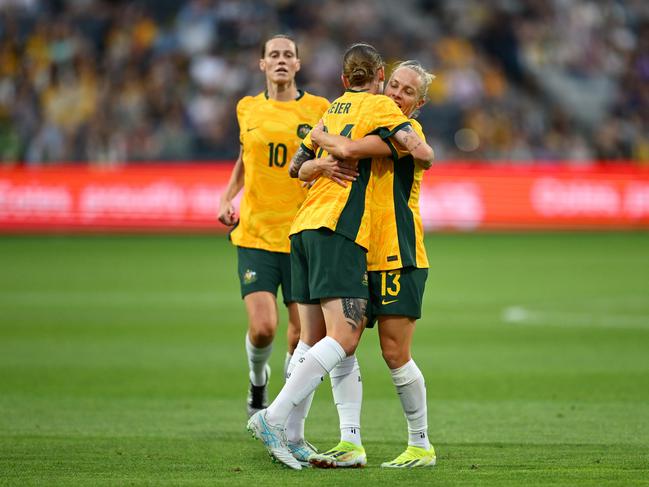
(122, 363)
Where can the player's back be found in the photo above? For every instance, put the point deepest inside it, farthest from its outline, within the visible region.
(354, 115)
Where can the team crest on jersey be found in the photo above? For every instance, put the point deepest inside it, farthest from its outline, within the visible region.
(303, 129)
(249, 276)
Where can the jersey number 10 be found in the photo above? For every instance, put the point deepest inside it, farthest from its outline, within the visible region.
(276, 155)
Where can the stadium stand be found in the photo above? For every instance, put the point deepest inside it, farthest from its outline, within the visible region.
(518, 80)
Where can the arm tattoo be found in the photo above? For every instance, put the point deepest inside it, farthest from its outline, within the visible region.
(300, 157)
(354, 311)
(407, 135)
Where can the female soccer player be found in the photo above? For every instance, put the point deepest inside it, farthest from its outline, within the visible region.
(329, 239)
(396, 260)
(272, 125)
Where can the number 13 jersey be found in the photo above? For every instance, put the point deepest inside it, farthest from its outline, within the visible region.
(270, 133)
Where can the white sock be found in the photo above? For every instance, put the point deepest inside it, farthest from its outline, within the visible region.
(295, 421)
(257, 360)
(411, 388)
(307, 375)
(287, 361)
(348, 395)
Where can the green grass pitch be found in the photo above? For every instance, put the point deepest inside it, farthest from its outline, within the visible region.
(122, 363)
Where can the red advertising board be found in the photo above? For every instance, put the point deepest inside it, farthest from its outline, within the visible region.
(453, 197)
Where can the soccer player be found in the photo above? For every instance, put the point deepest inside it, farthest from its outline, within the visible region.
(272, 126)
(329, 238)
(396, 261)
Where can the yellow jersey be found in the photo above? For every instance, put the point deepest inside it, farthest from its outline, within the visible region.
(397, 232)
(329, 205)
(270, 133)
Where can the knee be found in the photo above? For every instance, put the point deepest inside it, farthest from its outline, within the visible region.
(262, 331)
(349, 345)
(394, 357)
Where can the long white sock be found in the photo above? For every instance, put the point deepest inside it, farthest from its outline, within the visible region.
(295, 421)
(411, 388)
(348, 395)
(257, 360)
(305, 377)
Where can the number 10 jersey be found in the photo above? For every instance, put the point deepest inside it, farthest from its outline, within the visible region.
(270, 133)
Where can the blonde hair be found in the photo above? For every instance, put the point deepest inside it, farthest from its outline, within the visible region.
(361, 63)
(425, 77)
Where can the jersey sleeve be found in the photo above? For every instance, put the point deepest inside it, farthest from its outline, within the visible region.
(242, 109)
(401, 151)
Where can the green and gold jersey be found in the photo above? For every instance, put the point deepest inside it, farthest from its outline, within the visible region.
(270, 133)
(396, 230)
(343, 210)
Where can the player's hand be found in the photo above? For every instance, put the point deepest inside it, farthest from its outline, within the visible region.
(227, 215)
(317, 131)
(340, 172)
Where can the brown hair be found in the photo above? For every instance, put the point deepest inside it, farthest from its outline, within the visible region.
(277, 36)
(360, 64)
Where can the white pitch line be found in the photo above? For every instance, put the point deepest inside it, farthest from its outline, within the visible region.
(526, 316)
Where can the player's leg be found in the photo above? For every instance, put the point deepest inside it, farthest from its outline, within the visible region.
(262, 324)
(305, 374)
(347, 388)
(259, 275)
(395, 335)
(310, 370)
(311, 332)
(320, 249)
(347, 391)
(316, 278)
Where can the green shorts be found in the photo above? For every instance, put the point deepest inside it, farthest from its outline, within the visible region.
(399, 292)
(324, 264)
(263, 270)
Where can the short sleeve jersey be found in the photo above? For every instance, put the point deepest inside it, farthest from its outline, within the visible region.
(329, 205)
(270, 133)
(397, 234)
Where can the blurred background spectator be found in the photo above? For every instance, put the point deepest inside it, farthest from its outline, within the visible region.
(517, 80)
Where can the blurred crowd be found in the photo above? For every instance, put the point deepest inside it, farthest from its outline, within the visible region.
(517, 80)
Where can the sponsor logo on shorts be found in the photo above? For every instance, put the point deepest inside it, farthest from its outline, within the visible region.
(364, 281)
(385, 302)
(249, 276)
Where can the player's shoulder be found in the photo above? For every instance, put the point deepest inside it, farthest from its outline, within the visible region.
(249, 101)
(316, 100)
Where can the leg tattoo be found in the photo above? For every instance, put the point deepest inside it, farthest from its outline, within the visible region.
(354, 311)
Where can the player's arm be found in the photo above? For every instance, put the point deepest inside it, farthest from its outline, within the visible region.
(338, 171)
(345, 148)
(301, 156)
(227, 215)
(420, 150)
